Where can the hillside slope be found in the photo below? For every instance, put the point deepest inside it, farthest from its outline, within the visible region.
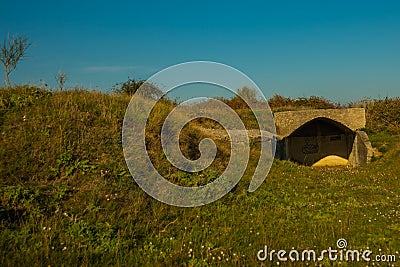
(67, 197)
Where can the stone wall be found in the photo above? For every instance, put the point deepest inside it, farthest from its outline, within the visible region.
(362, 151)
(289, 121)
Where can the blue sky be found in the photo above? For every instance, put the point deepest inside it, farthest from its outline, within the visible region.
(342, 50)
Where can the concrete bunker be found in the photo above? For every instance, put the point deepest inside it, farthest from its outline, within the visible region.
(318, 137)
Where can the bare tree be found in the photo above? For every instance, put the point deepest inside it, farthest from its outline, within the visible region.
(12, 51)
(61, 78)
(248, 94)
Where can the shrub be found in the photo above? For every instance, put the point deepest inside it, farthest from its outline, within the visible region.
(131, 86)
(280, 103)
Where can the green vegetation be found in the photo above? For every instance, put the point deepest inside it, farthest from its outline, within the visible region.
(281, 103)
(130, 87)
(67, 198)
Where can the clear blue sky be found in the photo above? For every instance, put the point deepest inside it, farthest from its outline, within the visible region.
(342, 50)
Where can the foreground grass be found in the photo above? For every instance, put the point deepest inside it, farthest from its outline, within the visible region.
(67, 197)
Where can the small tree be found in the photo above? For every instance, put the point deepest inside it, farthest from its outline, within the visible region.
(12, 51)
(61, 78)
(248, 94)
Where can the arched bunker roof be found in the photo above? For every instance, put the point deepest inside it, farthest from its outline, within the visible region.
(289, 121)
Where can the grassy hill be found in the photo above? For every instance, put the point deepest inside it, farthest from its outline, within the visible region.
(67, 198)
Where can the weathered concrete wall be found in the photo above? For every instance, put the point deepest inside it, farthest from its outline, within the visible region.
(362, 151)
(288, 121)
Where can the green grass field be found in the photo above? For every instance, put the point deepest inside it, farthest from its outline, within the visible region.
(67, 197)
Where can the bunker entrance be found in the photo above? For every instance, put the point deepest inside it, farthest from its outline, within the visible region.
(318, 139)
